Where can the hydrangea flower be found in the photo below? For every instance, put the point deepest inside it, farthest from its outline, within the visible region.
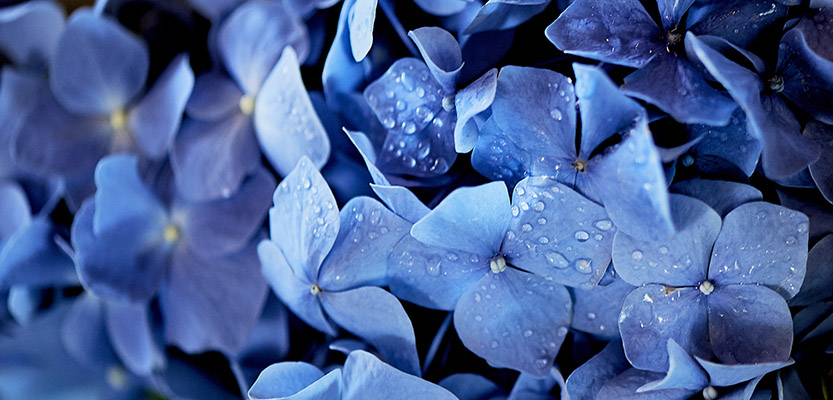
(491, 261)
(362, 377)
(532, 132)
(97, 77)
(261, 105)
(713, 288)
(134, 242)
(327, 266)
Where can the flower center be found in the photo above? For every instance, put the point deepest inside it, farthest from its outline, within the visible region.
(116, 377)
(776, 83)
(247, 104)
(118, 120)
(448, 102)
(314, 290)
(673, 39)
(580, 165)
(706, 287)
(172, 233)
(497, 264)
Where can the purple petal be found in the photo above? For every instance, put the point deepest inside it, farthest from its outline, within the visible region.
(98, 66)
(15, 213)
(442, 7)
(156, 118)
(625, 386)
(620, 32)
(819, 277)
(557, 233)
(743, 22)
(211, 159)
(652, 314)
(504, 14)
(212, 303)
(286, 124)
(808, 79)
(467, 386)
(31, 257)
(442, 54)
(735, 142)
(762, 243)
(377, 317)
(215, 96)
(251, 40)
(124, 205)
(737, 315)
(493, 320)
(220, 227)
(680, 261)
(732, 374)
(822, 170)
(84, 334)
(471, 219)
(368, 233)
(432, 277)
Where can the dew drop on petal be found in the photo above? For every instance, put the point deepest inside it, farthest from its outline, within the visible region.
(557, 260)
(527, 333)
(604, 224)
(636, 255)
(582, 236)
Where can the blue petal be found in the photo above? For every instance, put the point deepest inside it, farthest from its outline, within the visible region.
(212, 303)
(401, 201)
(631, 184)
(366, 377)
(427, 153)
(625, 385)
(214, 96)
(814, 28)
(471, 219)
(341, 74)
(139, 264)
(557, 233)
(470, 101)
(211, 159)
(762, 243)
(156, 118)
(619, 32)
(671, 83)
(736, 316)
(368, 233)
(819, 277)
(251, 40)
(54, 141)
(721, 196)
(124, 205)
(304, 221)
(807, 76)
(31, 257)
(605, 111)
(292, 289)
(295, 380)
(361, 18)
(442, 7)
(585, 381)
(493, 320)
(528, 387)
(19, 92)
(432, 277)
(743, 22)
(596, 311)
(734, 142)
(732, 374)
(504, 14)
(789, 384)
(129, 327)
(368, 153)
(672, 11)
(442, 54)
(377, 317)
(286, 124)
(406, 97)
(220, 227)
(84, 334)
(15, 213)
(471, 387)
(682, 260)
(98, 66)
(816, 207)
(683, 372)
(652, 314)
(30, 31)
(785, 151)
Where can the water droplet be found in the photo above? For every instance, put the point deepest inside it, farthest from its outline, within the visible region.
(583, 266)
(538, 206)
(409, 128)
(802, 227)
(636, 255)
(478, 318)
(557, 260)
(477, 297)
(527, 333)
(591, 316)
(562, 331)
(494, 344)
(541, 363)
(790, 240)
(307, 184)
(526, 227)
(663, 250)
(543, 240)
(542, 221)
(515, 211)
(556, 114)
(604, 224)
(760, 215)
(433, 267)
(582, 236)
(401, 105)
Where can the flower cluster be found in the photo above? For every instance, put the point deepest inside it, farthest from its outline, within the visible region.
(427, 199)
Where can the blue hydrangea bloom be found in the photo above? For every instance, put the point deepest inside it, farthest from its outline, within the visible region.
(624, 33)
(261, 105)
(362, 377)
(174, 248)
(532, 132)
(326, 266)
(490, 261)
(29, 33)
(712, 286)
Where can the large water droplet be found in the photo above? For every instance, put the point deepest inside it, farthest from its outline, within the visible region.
(526, 227)
(582, 236)
(494, 344)
(790, 240)
(433, 267)
(557, 260)
(636, 255)
(591, 316)
(604, 224)
(541, 363)
(562, 331)
(583, 266)
(527, 333)
(556, 114)
(538, 206)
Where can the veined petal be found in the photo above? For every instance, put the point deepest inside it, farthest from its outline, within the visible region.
(442, 54)
(683, 372)
(296, 381)
(366, 377)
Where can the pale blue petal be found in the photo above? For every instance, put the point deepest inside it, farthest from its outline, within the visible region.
(471, 219)
(585, 381)
(15, 213)
(504, 14)
(360, 20)
(442, 54)
(286, 124)
(130, 330)
(296, 381)
(368, 378)
(683, 372)
(596, 311)
(124, 205)
(31, 257)
(468, 386)
(672, 11)
(442, 7)
(401, 201)
(732, 374)
(470, 101)
(29, 32)
(625, 385)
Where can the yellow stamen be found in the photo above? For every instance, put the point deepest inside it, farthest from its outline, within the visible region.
(247, 104)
